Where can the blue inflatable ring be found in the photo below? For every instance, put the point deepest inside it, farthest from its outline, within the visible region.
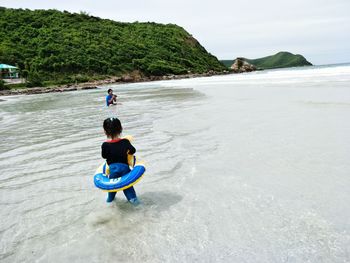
(102, 181)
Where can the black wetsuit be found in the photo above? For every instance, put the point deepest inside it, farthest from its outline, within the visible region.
(116, 151)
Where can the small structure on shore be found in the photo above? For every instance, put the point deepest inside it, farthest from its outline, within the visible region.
(8, 72)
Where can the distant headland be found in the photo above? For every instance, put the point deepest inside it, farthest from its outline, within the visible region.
(279, 60)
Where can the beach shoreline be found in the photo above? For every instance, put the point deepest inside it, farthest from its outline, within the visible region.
(129, 78)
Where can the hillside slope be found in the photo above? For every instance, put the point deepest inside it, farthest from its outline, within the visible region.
(61, 45)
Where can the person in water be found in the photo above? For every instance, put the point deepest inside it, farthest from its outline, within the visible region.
(115, 150)
(111, 98)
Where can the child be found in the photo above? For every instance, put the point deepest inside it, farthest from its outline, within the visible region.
(115, 151)
(111, 98)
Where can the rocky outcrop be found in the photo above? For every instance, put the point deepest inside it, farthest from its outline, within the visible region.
(240, 66)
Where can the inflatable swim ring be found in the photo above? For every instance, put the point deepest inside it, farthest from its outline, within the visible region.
(102, 181)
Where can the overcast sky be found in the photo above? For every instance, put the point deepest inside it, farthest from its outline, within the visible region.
(317, 29)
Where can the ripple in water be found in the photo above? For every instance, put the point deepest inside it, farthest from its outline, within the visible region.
(240, 168)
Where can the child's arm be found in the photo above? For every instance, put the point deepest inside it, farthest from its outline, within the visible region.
(110, 101)
(104, 151)
(131, 149)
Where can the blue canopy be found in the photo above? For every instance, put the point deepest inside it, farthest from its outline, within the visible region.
(5, 66)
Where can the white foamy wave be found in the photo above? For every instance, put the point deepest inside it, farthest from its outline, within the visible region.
(276, 76)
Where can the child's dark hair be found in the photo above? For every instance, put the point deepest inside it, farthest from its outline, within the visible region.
(109, 90)
(112, 127)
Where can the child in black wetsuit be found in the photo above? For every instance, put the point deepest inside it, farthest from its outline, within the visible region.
(115, 150)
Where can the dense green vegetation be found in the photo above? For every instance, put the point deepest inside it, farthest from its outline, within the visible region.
(61, 47)
(2, 84)
(227, 62)
(279, 60)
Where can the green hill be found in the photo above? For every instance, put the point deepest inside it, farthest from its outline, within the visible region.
(68, 47)
(228, 62)
(279, 60)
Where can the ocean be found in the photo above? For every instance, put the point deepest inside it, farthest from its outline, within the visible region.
(240, 168)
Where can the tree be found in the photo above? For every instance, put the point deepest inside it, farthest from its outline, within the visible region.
(34, 79)
(2, 85)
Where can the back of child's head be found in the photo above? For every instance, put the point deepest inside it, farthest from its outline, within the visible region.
(112, 127)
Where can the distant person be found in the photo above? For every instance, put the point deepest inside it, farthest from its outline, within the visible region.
(111, 98)
(115, 150)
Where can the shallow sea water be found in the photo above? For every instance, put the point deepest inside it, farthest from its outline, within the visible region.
(240, 168)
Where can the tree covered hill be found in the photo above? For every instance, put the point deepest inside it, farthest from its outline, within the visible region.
(279, 60)
(61, 45)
